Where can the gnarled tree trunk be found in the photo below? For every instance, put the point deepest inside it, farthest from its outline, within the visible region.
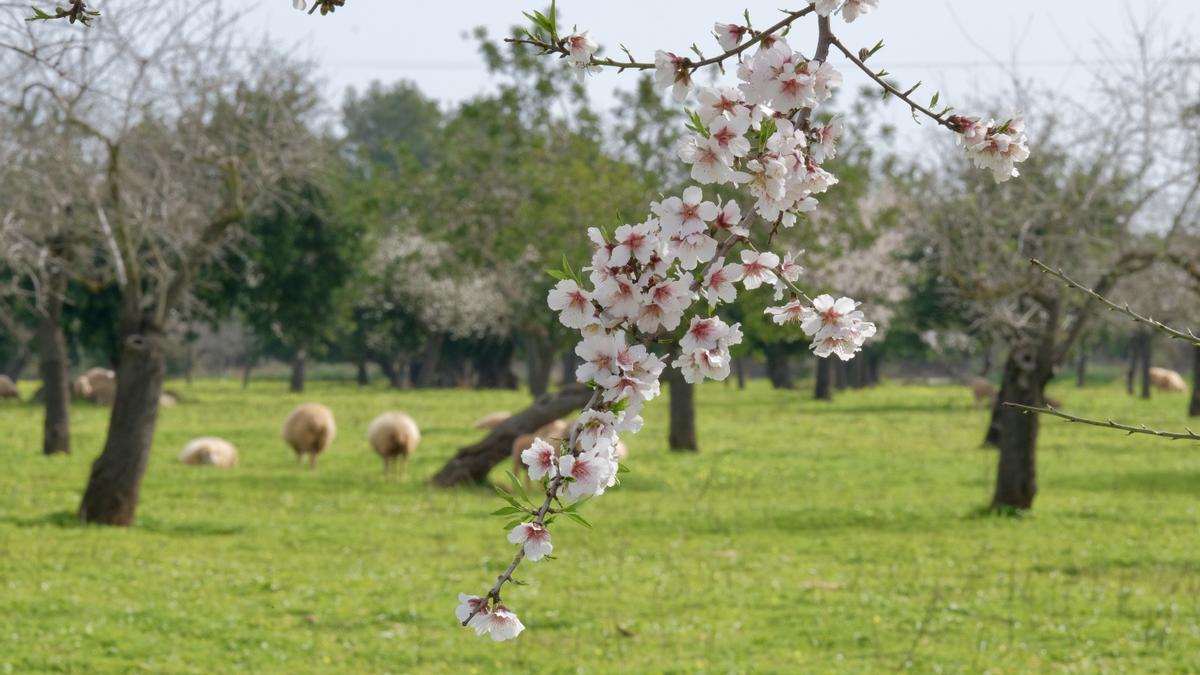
(472, 463)
(682, 433)
(112, 492)
(52, 358)
(1026, 372)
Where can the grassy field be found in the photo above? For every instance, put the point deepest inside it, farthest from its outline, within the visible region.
(806, 537)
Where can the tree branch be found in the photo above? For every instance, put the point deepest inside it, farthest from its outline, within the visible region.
(1188, 336)
(903, 96)
(1188, 435)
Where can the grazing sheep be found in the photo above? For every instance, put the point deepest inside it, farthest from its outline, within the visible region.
(167, 400)
(983, 390)
(309, 430)
(8, 388)
(491, 421)
(1165, 379)
(210, 451)
(394, 436)
(96, 385)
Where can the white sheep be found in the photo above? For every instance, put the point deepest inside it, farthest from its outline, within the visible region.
(394, 436)
(309, 429)
(1165, 379)
(8, 388)
(97, 385)
(210, 451)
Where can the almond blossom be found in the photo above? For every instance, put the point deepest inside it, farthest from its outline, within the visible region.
(539, 458)
(573, 304)
(758, 268)
(729, 35)
(534, 540)
(672, 71)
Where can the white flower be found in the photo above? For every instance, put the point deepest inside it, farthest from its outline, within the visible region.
(758, 268)
(721, 102)
(580, 47)
(693, 249)
(856, 8)
(730, 218)
(475, 607)
(503, 624)
(827, 7)
(706, 333)
(597, 428)
(633, 241)
(710, 163)
(671, 71)
(534, 539)
(599, 354)
(590, 473)
(573, 304)
(540, 458)
(298, 4)
(718, 282)
(792, 311)
(729, 136)
(827, 314)
(665, 302)
(729, 35)
(685, 216)
(619, 296)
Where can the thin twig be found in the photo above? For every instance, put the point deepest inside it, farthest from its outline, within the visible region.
(559, 48)
(903, 96)
(1188, 336)
(1187, 435)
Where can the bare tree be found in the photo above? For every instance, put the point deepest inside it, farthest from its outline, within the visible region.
(191, 129)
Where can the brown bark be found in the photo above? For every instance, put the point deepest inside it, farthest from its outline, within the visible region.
(681, 436)
(1194, 405)
(113, 487)
(568, 362)
(361, 376)
(823, 390)
(779, 367)
(1081, 365)
(739, 370)
(299, 363)
(472, 463)
(1026, 372)
(52, 357)
(425, 369)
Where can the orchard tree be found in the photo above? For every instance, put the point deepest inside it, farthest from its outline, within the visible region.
(156, 94)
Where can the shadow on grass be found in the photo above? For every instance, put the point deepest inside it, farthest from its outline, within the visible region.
(70, 520)
(1173, 482)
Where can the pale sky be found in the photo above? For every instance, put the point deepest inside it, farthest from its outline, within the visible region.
(964, 48)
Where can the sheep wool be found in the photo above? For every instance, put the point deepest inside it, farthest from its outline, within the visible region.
(309, 430)
(394, 436)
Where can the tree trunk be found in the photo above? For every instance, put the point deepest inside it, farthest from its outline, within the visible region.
(361, 376)
(739, 370)
(682, 433)
(1026, 372)
(111, 497)
(539, 359)
(1194, 406)
(473, 463)
(1147, 352)
(873, 361)
(824, 387)
(779, 369)
(299, 361)
(56, 391)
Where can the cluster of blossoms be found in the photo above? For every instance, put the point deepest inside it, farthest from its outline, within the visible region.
(996, 147)
(662, 280)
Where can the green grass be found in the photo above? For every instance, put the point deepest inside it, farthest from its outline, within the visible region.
(806, 537)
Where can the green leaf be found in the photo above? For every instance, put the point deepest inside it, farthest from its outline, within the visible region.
(556, 274)
(508, 498)
(578, 518)
(507, 511)
(621, 468)
(933, 101)
(513, 523)
(518, 485)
